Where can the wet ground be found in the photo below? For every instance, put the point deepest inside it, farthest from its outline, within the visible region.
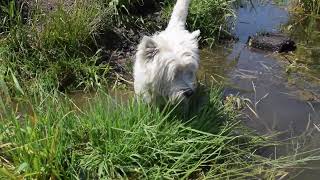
(282, 102)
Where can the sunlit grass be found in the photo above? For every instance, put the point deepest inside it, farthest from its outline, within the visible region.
(52, 136)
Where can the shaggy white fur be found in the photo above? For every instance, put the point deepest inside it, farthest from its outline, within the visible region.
(166, 63)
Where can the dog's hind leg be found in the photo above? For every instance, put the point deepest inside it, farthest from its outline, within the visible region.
(179, 15)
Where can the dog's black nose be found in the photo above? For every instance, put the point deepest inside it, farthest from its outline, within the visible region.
(188, 93)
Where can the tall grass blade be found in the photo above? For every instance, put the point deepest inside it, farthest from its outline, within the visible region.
(16, 82)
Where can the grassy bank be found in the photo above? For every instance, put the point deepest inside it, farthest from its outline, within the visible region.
(51, 137)
(84, 44)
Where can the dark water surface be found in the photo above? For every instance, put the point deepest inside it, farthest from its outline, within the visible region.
(287, 102)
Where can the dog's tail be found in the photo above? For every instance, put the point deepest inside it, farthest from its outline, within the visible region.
(179, 15)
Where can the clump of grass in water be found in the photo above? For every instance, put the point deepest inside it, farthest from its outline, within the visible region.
(110, 139)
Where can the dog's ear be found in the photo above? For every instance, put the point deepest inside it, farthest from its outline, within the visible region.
(148, 48)
(196, 34)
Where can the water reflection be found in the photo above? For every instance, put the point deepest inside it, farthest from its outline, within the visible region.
(287, 102)
(255, 74)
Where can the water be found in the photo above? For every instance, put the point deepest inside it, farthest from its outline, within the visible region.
(287, 102)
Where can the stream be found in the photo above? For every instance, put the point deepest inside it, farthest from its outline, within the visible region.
(285, 102)
(257, 74)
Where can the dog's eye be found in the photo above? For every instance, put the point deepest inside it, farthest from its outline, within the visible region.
(187, 54)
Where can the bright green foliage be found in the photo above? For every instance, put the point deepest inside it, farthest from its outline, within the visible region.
(51, 137)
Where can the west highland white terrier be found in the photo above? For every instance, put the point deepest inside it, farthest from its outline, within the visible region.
(166, 63)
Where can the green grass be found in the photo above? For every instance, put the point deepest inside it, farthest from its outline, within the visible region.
(44, 134)
(304, 28)
(310, 6)
(49, 136)
(55, 49)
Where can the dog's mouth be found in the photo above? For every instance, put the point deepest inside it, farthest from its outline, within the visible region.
(182, 95)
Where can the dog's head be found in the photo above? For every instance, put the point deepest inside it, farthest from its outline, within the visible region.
(170, 61)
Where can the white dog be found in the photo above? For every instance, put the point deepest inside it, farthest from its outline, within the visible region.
(166, 63)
